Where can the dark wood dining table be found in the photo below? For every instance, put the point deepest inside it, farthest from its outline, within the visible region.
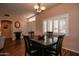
(44, 43)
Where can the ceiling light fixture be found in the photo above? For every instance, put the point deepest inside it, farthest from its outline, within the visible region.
(39, 8)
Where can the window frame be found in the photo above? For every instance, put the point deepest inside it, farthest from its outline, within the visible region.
(65, 17)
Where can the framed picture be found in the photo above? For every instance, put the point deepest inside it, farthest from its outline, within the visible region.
(17, 24)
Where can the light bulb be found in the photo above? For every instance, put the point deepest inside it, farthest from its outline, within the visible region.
(43, 8)
(39, 8)
(36, 7)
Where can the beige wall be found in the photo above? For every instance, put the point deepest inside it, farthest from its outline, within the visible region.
(20, 18)
(71, 41)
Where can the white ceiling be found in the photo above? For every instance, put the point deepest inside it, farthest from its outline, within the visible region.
(20, 8)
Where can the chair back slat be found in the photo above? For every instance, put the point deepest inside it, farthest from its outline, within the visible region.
(27, 43)
(59, 43)
(49, 34)
(31, 34)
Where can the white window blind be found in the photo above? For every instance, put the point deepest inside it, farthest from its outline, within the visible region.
(45, 26)
(50, 27)
(55, 26)
(58, 24)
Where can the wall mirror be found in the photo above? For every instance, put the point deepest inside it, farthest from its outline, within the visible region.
(17, 24)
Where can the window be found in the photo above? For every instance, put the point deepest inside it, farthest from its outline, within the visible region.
(50, 25)
(62, 25)
(58, 24)
(55, 26)
(47, 26)
(32, 24)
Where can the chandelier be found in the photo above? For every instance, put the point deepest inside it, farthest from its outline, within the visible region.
(39, 8)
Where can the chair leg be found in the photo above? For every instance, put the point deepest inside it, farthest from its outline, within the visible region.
(60, 53)
(25, 53)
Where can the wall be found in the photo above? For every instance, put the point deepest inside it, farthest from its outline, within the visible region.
(71, 41)
(19, 18)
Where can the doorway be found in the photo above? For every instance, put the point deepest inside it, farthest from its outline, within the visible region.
(6, 28)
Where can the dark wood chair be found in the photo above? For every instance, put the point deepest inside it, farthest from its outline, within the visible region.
(56, 48)
(31, 34)
(49, 34)
(30, 47)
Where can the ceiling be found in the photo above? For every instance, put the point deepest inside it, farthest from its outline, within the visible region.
(20, 8)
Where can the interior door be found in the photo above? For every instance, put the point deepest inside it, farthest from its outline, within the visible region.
(6, 28)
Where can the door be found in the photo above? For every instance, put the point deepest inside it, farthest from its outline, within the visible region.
(6, 28)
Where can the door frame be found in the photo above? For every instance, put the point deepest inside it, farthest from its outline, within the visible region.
(11, 26)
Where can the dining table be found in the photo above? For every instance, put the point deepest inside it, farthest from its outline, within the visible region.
(44, 43)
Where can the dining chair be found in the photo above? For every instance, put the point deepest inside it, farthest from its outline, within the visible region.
(30, 47)
(55, 49)
(31, 34)
(49, 34)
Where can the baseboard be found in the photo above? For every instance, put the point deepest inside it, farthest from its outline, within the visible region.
(71, 50)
